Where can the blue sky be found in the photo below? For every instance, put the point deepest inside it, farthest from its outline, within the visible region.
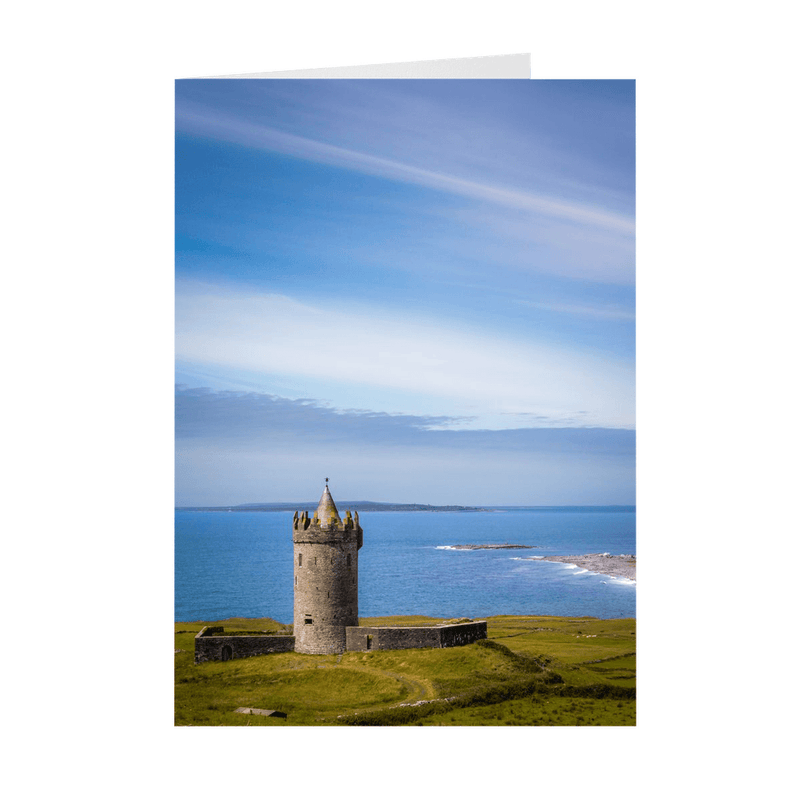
(423, 290)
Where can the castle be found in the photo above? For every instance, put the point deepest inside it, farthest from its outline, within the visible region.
(326, 600)
(325, 577)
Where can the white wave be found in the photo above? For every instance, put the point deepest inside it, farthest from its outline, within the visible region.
(624, 581)
(445, 547)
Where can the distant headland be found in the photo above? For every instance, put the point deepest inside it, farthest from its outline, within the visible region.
(354, 505)
(369, 505)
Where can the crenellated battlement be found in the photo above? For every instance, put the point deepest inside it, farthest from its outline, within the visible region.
(301, 522)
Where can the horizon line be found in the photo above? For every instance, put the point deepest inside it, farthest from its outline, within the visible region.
(432, 505)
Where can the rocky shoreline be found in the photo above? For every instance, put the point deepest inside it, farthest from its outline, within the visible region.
(491, 547)
(622, 566)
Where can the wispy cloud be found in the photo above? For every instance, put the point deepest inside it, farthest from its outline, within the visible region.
(596, 312)
(528, 243)
(246, 447)
(466, 372)
(258, 418)
(196, 120)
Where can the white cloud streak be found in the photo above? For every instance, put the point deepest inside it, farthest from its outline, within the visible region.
(596, 312)
(195, 119)
(460, 372)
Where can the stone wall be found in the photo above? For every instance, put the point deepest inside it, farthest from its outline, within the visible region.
(213, 648)
(465, 633)
(208, 647)
(366, 638)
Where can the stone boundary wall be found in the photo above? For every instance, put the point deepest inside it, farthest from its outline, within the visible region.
(465, 633)
(365, 638)
(208, 647)
(212, 648)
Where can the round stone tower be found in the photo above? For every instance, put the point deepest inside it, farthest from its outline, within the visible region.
(325, 577)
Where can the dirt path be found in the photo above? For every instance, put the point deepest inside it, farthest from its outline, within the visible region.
(418, 689)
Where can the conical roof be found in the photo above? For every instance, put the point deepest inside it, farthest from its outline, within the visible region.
(326, 510)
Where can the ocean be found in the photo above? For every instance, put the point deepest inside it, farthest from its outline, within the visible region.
(239, 564)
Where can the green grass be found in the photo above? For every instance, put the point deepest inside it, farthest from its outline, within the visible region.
(541, 710)
(530, 671)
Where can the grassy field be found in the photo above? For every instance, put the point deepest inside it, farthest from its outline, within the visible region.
(530, 671)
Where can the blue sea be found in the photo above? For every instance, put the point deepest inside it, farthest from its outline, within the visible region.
(239, 564)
